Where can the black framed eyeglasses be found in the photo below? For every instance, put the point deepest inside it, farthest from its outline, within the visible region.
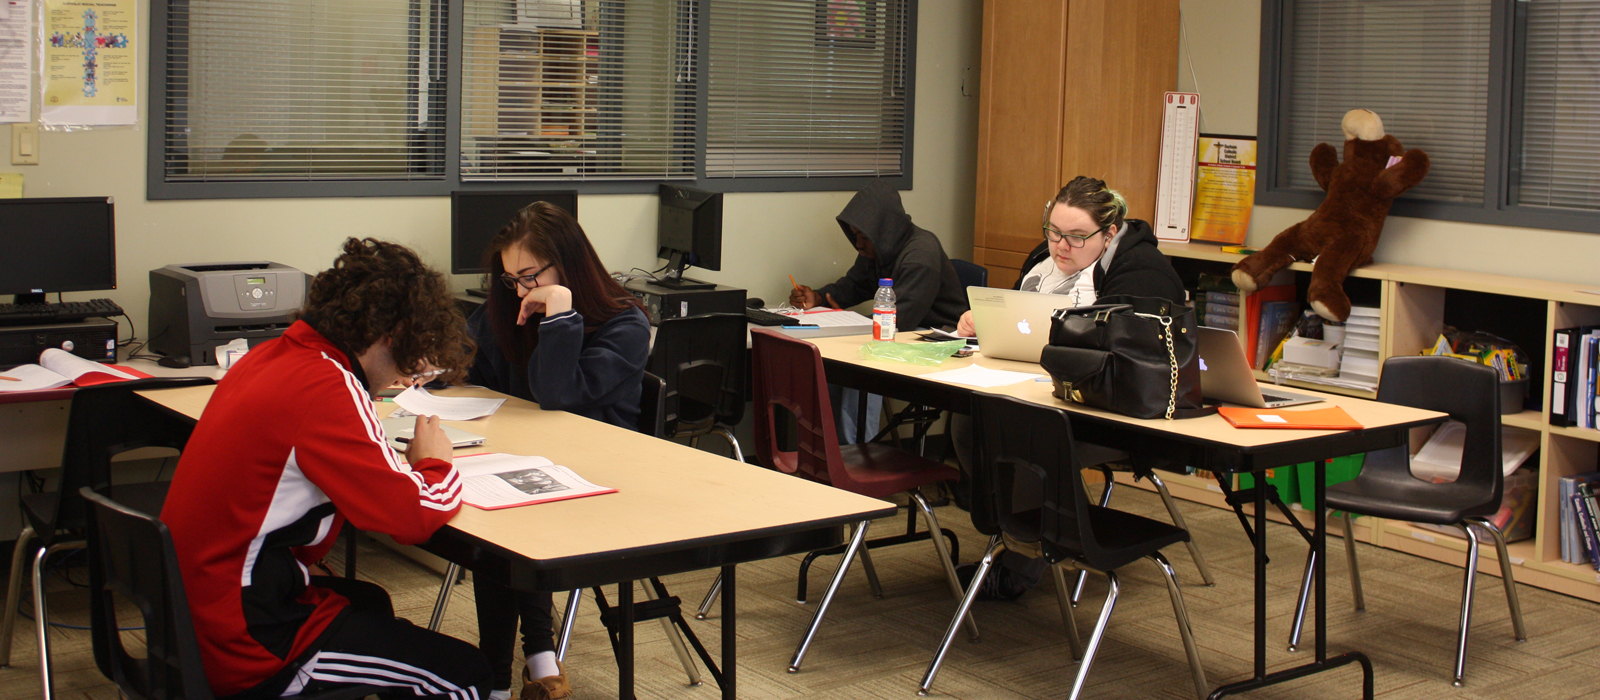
(1074, 240)
(527, 281)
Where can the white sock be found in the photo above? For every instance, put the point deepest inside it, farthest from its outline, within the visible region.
(500, 695)
(543, 665)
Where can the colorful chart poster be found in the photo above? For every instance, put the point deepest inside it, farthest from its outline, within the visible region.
(1224, 188)
(89, 64)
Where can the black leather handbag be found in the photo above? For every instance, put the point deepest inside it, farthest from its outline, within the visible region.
(1136, 356)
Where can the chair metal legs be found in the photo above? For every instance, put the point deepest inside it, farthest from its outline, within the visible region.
(569, 617)
(856, 539)
(1185, 630)
(1064, 600)
(944, 557)
(673, 636)
(1177, 520)
(1517, 627)
(1181, 524)
(1305, 581)
(1469, 578)
(996, 543)
(13, 592)
(41, 613)
(871, 572)
(1099, 633)
(451, 574)
(711, 597)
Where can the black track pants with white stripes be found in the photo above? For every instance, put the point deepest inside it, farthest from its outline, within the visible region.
(368, 645)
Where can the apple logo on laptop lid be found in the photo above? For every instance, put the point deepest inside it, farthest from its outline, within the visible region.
(1022, 327)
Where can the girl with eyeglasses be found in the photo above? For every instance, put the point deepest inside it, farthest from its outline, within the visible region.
(559, 331)
(1086, 224)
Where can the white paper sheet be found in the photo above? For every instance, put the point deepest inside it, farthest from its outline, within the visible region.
(825, 318)
(982, 377)
(420, 402)
(71, 366)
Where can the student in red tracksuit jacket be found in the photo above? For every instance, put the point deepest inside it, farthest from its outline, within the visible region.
(287, 450)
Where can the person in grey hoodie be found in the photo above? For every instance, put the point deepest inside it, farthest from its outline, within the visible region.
(928, 294)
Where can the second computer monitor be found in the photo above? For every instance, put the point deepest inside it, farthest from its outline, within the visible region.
(475, 217)
(689, 233)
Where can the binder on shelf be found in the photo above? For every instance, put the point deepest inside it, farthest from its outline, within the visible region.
(1559, 415)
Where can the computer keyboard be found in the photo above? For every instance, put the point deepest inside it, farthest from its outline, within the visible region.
(762, 317)
(63, 312)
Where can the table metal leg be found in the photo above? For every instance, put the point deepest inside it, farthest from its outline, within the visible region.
(625, 640)
(730, 637)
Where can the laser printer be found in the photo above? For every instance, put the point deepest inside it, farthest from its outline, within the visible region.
(195, 308)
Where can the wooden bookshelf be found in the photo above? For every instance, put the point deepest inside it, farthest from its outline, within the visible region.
(1415, 303)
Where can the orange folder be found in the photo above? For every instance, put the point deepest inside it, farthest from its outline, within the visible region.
(1331, 418)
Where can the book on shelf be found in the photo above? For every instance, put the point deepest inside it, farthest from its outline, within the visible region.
(1589, 520)
(1280, 288)
(1572, 550)
(1221, 297)
(1518, 509)
(1224, 319)
(1219, 283)
(1277, 319)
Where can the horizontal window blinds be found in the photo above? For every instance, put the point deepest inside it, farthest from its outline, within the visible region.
(1422, 65)
(1560, 133)
(806, 88)
(304, 90)
(577, 90)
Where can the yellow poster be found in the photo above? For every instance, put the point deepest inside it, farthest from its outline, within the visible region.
(1224, 188)
(90, 66)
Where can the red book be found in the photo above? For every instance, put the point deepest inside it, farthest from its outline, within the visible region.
(1252, 315)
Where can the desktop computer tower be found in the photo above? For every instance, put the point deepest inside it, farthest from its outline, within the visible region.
(91, 339)
(665, 303)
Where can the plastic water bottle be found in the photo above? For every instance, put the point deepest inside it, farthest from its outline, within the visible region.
(883, 311)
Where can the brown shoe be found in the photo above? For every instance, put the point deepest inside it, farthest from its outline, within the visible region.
(547, 688)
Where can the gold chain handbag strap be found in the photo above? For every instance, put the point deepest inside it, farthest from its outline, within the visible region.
(1172, 360)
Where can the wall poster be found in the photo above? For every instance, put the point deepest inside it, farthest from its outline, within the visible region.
(88, 63)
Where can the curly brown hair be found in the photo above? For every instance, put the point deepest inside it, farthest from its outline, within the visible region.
(377, 289)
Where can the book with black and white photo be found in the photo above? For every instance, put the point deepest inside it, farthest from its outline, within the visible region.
(494, 481)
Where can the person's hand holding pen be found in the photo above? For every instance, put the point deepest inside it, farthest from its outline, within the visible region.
(429, 441)
(804, 297)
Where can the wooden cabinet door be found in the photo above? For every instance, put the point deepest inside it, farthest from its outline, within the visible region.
(1070, 87)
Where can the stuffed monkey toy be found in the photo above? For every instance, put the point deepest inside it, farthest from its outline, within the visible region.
(1342, 233)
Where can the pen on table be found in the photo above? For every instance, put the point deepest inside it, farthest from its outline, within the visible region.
(9, 379)
(796, 284)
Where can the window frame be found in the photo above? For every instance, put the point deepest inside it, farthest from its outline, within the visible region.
(1505, 73)
(158, 188)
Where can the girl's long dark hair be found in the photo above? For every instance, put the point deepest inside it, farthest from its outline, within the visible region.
(552, 235)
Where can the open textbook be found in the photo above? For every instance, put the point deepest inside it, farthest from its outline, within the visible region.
(58, 368)
(493, 481)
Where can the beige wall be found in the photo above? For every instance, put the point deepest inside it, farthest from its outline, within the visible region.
(766, 236)
(1224, 50)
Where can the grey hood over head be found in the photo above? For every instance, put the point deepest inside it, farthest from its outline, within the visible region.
(928, 293)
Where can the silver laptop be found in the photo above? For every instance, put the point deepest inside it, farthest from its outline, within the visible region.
(1013, 325)
(1226, 376)
(403, 428)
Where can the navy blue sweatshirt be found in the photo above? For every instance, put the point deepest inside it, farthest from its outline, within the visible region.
(595, 375)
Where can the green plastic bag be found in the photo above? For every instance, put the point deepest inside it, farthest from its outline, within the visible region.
(930, 354)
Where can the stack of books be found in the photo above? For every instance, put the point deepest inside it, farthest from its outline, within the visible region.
(1359, 361)
(1575, 363)
(1579, 512)
(1219, 309)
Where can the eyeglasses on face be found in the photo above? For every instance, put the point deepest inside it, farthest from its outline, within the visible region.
(527, 281)
(1073, 239)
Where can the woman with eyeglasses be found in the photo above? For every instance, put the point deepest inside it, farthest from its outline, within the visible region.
(559, 331)
(1084, 225)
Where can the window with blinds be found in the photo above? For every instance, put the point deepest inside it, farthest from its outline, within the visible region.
(806, 88)
(575, 90)
(1559, 137)
(303, 90)
(1422, 65)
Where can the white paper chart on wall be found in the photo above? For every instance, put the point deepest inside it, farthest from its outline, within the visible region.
(1175, 188)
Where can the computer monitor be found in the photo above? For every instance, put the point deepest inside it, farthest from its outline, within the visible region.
(689, 232)
(475, 217)
(59, 244)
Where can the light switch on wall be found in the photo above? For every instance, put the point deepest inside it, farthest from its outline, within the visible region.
(25, 144)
